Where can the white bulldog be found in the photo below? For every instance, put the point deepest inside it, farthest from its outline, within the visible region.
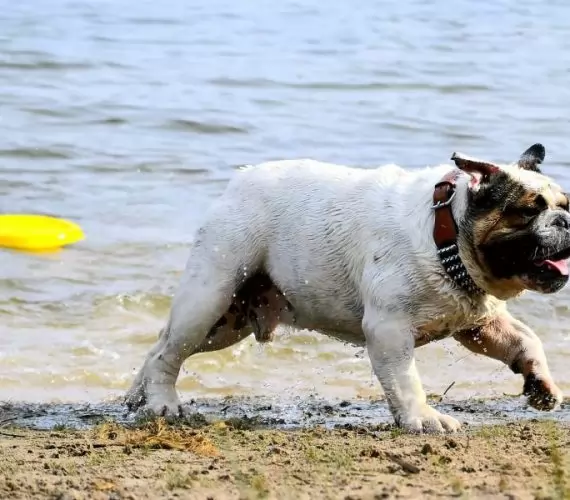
(387, 258)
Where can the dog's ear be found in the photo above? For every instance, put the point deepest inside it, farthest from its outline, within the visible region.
(532, 158)
(479, 170)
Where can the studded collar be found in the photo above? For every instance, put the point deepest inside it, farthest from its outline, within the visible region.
(445, 234)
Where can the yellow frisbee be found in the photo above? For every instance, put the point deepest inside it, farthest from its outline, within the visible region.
(37, 232)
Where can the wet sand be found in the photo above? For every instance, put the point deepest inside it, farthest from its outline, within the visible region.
(252, 448)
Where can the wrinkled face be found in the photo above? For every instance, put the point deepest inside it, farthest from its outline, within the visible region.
(519, 223)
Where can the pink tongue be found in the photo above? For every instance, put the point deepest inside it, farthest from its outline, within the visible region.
(560, 265)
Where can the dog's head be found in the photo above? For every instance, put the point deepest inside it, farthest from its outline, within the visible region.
(516, 225)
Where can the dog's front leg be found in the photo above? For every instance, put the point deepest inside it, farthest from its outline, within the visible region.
(390, 344)
(506, 339)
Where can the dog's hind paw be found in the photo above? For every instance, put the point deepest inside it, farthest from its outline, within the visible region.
(429, 421)
(154, 400)
(170, 411)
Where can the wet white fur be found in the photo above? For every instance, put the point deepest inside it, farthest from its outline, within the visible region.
(349, 248)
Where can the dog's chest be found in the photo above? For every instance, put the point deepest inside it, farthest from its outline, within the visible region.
(438, 326)
(437, 329)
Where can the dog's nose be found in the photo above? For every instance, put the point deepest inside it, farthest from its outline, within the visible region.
(561, 219)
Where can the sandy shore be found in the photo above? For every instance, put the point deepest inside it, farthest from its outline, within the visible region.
(247, 458)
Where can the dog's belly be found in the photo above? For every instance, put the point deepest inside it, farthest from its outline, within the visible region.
(299, 305)
(321, 290)
(332, 316)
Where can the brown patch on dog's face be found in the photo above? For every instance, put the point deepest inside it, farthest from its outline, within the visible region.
(518, 226)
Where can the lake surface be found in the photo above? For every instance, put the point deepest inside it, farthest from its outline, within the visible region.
(130, 117)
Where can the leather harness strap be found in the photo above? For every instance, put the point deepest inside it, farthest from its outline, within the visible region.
(445, 234)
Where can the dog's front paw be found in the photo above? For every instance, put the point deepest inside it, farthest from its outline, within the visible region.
(542, 394)
(428, 420)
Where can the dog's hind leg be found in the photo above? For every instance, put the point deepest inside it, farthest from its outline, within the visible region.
(257, 307)
(214, 273)
(192, 315)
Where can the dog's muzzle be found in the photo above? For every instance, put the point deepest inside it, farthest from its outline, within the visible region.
(537, 254)
(553, 246)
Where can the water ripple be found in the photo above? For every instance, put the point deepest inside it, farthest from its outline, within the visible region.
(204, 127)
(35, 153)
(353, 87)
(43, 65)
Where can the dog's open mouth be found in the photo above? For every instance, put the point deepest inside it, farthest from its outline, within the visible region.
(556, 264)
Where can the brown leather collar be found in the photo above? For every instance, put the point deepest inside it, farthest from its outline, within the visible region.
(445, 234)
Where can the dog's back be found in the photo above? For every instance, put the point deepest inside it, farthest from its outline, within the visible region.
(305, 223)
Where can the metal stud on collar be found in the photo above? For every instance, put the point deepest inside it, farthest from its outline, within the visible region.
(456, 270)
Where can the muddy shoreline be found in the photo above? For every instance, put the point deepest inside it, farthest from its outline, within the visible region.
(242, 448)
(285, 414)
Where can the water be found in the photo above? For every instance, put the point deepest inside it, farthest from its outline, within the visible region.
(130, 117)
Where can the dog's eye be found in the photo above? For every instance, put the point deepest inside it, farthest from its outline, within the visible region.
(540, 202)
(529, 212)
(525, 212)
